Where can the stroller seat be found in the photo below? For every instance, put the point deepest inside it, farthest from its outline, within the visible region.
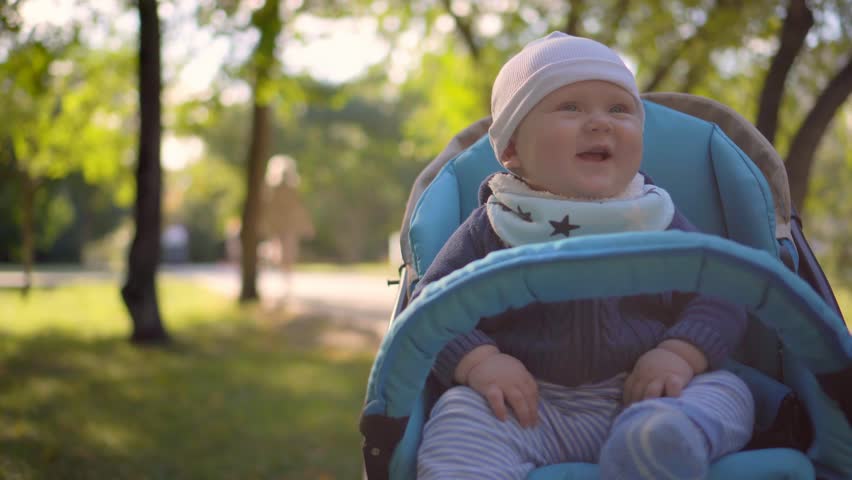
(797, 354)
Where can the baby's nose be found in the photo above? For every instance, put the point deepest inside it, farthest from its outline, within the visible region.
(598, 122)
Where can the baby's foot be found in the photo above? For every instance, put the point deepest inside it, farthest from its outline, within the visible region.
(655, 444)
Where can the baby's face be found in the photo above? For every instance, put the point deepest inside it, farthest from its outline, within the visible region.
(583, 140)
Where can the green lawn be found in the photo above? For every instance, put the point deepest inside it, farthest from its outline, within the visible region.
(242, 394)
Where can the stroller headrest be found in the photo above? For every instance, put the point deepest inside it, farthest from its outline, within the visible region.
(712, 181)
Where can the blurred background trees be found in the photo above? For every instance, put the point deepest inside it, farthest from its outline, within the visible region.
(362, 94)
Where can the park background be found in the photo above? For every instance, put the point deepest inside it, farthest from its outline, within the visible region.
(138, 131)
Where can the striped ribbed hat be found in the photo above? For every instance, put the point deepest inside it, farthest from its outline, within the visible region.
(543, 66)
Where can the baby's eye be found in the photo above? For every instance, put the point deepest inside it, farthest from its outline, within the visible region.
(568, 107)
(618, 109)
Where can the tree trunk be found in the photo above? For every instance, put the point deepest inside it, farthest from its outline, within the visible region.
(256, 161)
(572, 26)
(268, 21)
(139, 291)
(28, 231)
(800, 157)
(798, 22)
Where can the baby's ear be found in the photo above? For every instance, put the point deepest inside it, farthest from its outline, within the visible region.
(510, 159)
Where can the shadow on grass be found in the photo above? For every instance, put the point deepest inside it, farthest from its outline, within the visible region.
(249, 397)
(323, 327)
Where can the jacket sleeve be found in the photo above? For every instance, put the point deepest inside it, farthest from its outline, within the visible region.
(713, 325)
(468, 243)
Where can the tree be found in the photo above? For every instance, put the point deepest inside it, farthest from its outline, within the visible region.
(27, 92)
(54, 90)
(800, 156)
(139, 291)
(10, 19)
(797, 23)
(261, 67)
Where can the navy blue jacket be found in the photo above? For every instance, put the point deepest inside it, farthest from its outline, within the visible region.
(575, 342)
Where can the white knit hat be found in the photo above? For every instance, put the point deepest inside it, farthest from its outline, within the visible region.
(543, 66)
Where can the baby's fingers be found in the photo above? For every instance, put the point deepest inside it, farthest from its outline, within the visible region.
(636, 391)
(495, 399)
(674, 385)
(654, 389)
(627, 389)
(531, 393)
(519, 404)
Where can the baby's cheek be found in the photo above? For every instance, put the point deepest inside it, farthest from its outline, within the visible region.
(557, 164)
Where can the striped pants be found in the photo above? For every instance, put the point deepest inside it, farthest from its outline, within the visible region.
(464, 440)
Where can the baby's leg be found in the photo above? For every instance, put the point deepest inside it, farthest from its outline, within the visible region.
(464, 440)
(679, 437)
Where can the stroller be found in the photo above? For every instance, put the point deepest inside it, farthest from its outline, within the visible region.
(728, 180)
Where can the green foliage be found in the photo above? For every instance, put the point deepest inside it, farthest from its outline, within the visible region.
(450, 93)
(355, 174)
(244, 393)
(54, 213)
(360, 145)
(209, 193)
(828, 205)
(71, 107)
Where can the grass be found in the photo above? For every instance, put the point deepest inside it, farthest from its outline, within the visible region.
(242, 393)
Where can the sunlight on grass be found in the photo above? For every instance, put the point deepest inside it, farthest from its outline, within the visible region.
(236, 396)
(93, 310)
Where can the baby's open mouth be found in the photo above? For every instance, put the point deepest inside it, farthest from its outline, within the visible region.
(596, 154)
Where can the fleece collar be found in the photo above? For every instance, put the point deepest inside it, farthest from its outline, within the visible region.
(521, 215)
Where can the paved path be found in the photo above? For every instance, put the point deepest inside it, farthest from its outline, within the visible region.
(358, 304)
(358, 297)
(355, 307)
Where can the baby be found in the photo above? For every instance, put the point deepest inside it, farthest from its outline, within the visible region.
(629, 383)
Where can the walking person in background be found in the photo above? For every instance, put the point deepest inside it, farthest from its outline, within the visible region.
(285, 221)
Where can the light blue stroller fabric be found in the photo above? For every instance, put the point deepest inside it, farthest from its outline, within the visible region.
(721, 191)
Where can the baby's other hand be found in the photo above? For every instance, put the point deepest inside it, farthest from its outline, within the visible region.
(503, 379)
(657, 373)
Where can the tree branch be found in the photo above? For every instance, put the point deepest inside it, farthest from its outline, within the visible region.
(798, 22)
(465, 30)
(693, 76)
(668, 62)
(620, 13)
(801, 154)
(665, 66)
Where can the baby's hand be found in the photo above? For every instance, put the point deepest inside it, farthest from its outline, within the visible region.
(503, 379)
(658, 372)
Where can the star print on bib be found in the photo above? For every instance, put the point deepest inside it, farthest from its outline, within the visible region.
(521, 215)
(563, 227)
